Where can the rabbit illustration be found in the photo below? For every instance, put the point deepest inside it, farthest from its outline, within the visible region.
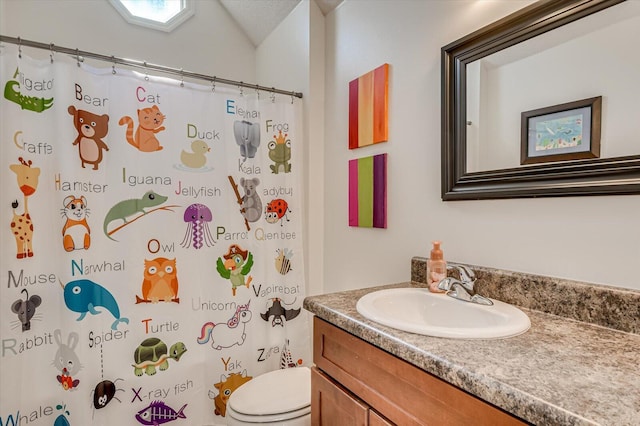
(66, 360)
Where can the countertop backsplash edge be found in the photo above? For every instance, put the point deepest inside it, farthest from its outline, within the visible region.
(611, 307)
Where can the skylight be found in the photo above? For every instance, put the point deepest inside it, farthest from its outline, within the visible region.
(162, 15)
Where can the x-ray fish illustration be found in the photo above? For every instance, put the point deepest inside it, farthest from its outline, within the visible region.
(158, 413)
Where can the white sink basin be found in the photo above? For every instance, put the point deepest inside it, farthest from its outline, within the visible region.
(417, 310)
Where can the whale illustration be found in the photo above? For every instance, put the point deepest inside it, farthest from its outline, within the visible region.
(84, 296)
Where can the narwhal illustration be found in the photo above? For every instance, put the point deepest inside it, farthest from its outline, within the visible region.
(84, 296)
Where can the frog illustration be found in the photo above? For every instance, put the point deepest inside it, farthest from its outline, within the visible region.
(280, 153)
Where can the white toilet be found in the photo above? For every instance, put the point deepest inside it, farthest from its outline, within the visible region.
(280, 397)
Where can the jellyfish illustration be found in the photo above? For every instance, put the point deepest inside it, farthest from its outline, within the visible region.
(197, 216)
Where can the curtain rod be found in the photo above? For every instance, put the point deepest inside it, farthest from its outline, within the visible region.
(81, 54)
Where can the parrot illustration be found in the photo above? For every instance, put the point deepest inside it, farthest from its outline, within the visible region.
(236, 266)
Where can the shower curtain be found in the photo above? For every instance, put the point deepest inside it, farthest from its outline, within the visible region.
(151, 255)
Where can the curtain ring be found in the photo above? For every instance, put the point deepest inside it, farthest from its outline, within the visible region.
(77, 57)
(213, 84)
(19, 48)
(113, 65)
(292, 96)
(240, 87)
(146, 72)
(273, 95)
(51, 52)
(181, 77)
(258, 92)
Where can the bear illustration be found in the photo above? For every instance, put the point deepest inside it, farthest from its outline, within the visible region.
(91, 129)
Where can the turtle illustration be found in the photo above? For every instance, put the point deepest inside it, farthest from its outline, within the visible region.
(152, 353)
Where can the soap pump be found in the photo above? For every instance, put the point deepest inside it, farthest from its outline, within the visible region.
(436, 268)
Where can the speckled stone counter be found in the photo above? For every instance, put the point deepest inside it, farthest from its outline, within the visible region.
(561, 372)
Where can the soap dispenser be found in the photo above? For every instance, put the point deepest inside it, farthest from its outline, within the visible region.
(436, 268)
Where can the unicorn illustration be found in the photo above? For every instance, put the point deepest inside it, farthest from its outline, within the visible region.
(225, 335)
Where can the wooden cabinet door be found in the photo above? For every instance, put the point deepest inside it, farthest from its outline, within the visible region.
(331, 405)
(377, 420)
(399, 391)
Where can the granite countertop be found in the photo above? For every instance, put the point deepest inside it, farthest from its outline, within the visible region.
(560, 372)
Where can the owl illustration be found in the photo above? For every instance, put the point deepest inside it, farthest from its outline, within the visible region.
(160, 281)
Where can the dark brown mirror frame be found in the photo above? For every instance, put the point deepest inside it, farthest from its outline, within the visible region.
(602, 176)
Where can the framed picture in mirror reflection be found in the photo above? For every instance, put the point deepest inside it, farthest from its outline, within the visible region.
(565, 132)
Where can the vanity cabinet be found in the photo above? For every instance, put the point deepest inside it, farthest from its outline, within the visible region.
(356, 383)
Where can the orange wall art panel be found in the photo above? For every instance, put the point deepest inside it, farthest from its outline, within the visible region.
(368, 108)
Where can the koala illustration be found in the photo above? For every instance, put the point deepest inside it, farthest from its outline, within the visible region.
(251, 203)
(91, 129)
(66, 360)
(26, 309)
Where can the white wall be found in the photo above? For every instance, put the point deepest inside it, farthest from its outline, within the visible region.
(208, 43)
(592, 239)
(292, 58)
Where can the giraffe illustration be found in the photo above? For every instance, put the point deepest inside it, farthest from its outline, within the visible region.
(21, 225)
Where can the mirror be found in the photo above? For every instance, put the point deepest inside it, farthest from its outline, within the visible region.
(494, 75)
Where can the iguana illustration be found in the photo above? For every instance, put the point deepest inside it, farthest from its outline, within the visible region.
(127, 208)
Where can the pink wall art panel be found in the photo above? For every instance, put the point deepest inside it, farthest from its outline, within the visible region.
(368, 192)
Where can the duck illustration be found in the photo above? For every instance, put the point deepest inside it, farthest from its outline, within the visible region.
(195, 159)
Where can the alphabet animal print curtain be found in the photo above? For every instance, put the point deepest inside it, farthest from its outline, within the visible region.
(152, 256)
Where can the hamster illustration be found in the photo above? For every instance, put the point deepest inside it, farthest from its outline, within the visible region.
(76, 233)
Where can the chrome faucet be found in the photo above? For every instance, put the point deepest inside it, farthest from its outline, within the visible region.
(463, 288)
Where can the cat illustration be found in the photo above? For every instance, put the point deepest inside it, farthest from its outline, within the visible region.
(150, 122)
(75, 232)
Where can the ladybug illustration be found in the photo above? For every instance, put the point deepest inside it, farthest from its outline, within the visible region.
(277, 210)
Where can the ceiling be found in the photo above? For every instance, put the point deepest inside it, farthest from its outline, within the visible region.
(258, 18)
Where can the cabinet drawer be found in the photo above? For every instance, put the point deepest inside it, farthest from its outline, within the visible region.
(332, 405)
(401, 392)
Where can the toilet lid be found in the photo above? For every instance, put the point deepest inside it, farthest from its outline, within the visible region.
(276, 392)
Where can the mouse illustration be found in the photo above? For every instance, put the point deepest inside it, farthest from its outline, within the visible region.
(84, 296)
(127, 208)
(26, 309)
